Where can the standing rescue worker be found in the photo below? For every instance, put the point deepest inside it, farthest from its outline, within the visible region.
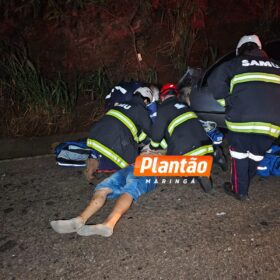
(114, 139)
(249, 87)
(178, 129)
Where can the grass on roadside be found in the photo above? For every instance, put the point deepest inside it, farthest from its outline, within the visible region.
(33, 105)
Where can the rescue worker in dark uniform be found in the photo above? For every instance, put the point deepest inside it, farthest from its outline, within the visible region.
(115, 138)
(123, 92)
(178, 129)
(249, 87)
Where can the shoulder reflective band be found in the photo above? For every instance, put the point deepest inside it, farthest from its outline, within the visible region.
(107, 153)
(126, 121)
(180, 119)
(254, 77)
(203, 150)
(255, 127)
(222, 102)
(142, 136)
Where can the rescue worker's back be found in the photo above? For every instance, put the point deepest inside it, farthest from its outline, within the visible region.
(253, 100)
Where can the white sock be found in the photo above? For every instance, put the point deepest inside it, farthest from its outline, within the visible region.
(99, 229)
(67, 226)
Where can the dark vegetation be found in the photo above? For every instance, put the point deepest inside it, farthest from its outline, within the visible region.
(59, 58)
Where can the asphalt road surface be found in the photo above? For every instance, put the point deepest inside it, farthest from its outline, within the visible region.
(175, 232)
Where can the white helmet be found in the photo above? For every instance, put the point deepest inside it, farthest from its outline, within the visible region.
(145, 92)
(155, 92)
(247, 39)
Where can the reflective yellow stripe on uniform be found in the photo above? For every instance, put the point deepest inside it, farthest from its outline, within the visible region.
(255, 127)
(126, 121)
(203, 150)
(163, 144)
(107, 152)
(142, 136)
(222, 102)
(154, 144)
(254, 77)
(180, 119)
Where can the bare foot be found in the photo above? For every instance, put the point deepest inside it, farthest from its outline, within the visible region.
(99, 229)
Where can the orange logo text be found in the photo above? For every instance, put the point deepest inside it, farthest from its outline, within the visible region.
(152, 165)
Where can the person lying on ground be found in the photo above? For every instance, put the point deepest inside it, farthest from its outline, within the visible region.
(122, 186)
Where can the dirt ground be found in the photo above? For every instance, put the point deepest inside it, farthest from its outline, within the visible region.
(175, 232)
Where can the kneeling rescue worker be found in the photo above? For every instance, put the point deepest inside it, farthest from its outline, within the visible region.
(178, 129)
(249, 87)
(115, 137)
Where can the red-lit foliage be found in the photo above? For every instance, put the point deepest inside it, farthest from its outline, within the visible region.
(73, 37)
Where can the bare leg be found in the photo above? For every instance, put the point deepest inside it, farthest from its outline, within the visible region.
(92, 165)
(95, 204)
(123, 203)
(72, 225)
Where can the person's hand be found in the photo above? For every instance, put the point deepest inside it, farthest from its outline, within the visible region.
(92, 165)
(146, 149)
(89, 175)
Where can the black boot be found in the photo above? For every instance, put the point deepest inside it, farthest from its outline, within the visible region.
(228, 190)
(205, 183)
(220, 158)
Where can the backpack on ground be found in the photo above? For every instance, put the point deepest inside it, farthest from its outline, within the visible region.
(270, 165)
(72, 153)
